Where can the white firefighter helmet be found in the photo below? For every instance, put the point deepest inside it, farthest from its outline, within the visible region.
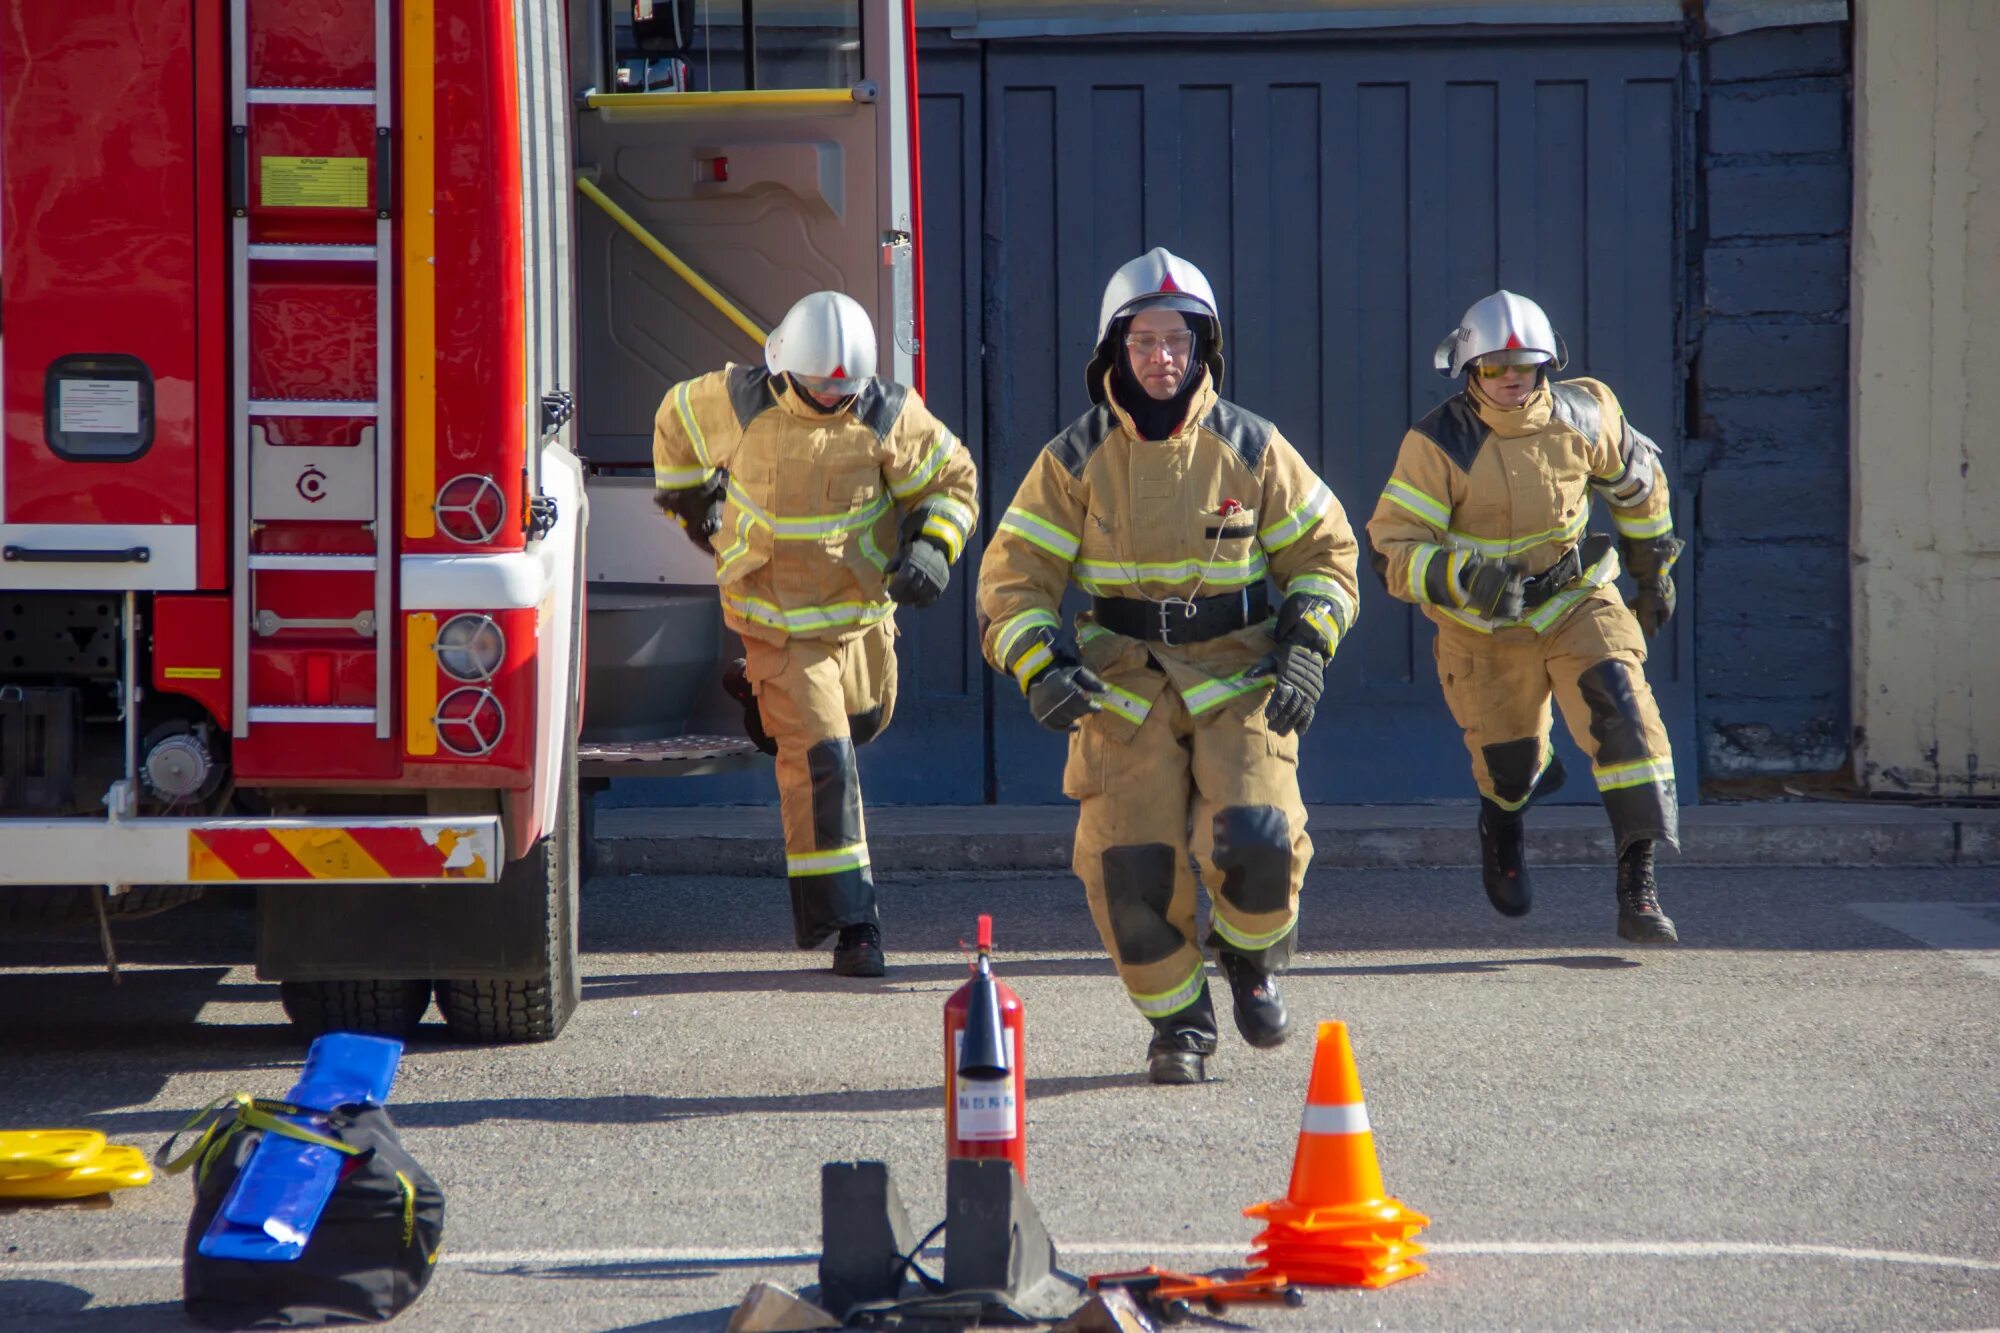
(826, 341)
(1156, 280)
(1502, 327)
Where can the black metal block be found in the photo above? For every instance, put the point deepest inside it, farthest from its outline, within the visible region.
(864, 1235)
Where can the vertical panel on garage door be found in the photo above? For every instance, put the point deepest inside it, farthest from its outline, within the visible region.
(1348, 200)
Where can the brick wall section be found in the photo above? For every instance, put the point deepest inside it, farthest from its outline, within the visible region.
(1769, 455)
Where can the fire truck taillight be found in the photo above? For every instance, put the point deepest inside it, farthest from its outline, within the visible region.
(471, 509)
(470, 722)
(471, 647)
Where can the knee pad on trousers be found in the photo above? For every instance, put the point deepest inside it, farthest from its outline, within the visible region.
(865, 727)
(1138, 889)
(1512, 767)
(1616, 723)
(1253, 850)
(836, 793)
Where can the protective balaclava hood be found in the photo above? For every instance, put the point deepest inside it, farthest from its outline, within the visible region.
(1156, 418)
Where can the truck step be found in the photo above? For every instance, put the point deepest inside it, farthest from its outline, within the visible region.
(314, 407)
(666, 756)
(313, 713)
(314, 254)
(310, 96)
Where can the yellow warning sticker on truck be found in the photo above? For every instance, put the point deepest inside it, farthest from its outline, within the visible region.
(314, 182)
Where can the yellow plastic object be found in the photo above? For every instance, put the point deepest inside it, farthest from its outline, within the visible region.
(118, 1167)
(41, 1152)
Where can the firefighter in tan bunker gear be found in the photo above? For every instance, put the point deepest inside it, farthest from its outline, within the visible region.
(828, 496)
(1170, 506)
(1482, 525)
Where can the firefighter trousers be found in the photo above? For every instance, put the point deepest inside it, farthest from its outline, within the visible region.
(1222, 786)
(1592, 663)
(818, 699)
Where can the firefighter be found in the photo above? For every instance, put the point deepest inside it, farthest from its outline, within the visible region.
(1482, 526)
(828, 497)
(1184, 697)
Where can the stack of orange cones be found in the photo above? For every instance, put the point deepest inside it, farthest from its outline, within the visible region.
(1334, 1228)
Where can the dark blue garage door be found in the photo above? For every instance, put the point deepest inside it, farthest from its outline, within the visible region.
(1348, 199)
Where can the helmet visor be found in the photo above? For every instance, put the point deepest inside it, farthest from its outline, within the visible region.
(1513, 356)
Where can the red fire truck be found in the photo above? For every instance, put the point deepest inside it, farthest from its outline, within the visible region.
(329, 329)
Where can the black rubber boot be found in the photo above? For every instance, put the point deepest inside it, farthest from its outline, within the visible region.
(1260, 1009)
(1640, 919)
(859, 951)
(1182, 1042)
(1503, 859)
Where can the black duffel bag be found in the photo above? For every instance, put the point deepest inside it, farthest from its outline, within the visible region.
(370, 1255)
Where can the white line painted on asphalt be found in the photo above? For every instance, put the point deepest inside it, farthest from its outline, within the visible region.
(1969, 932)
(805, 1253)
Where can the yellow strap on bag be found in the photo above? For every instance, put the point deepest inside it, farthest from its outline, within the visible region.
(229, 1116)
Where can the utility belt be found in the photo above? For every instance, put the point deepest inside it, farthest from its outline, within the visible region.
(1180, 620)
(1567, 569)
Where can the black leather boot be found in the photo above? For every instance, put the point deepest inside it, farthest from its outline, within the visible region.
(1503, 859)
(859, 951)
(1182, 1042)
(1260, 1009)
(1503, 845)
(1640, 919)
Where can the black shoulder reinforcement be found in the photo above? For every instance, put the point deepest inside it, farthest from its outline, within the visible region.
(1247, 434)
(1454, 426)
(1074, 446)
(878, 405)
(749, 392)
(1578, 408)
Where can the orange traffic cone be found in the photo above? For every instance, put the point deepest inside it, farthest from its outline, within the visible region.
(1335, 1227)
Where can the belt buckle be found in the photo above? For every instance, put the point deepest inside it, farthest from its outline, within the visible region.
(1166, 623)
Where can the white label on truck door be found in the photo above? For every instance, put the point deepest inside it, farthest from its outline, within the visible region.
(101, 407)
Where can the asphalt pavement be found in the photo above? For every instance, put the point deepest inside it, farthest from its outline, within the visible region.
(1790, 1121)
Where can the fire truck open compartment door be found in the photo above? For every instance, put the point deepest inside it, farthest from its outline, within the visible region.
(100, 479)
(761, 195)
(767, 195)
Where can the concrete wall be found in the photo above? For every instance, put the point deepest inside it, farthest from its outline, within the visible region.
(1926, 397)
(1767, 446)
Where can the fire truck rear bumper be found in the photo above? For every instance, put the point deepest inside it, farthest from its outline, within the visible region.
(249, 851)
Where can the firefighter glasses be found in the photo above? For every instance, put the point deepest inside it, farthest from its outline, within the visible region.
(1178, 344)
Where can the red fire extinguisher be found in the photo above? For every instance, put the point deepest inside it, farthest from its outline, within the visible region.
(985, 1066)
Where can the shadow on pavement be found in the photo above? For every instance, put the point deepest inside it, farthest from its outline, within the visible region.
(646, 1109)
(38, 1304)
(791, 981)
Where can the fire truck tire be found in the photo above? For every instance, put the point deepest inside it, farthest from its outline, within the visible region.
(373, 1008)
(486, 1012)
(59, 905)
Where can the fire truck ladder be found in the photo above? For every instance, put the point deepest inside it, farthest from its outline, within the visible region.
(367, 469)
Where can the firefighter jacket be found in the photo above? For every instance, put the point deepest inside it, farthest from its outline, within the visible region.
(1514, 484)
(816, 503)
(1224, 503)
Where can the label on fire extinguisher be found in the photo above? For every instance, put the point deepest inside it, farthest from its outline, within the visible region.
(985, 1105)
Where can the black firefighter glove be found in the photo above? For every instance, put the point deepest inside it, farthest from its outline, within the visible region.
(918, 573)
(1062, 693)
(1652, 566)
(1493, 588)
(698, 509)
(1297, 666)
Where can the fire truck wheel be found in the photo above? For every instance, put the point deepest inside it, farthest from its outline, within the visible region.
(535, 1009)
(373, 1008)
